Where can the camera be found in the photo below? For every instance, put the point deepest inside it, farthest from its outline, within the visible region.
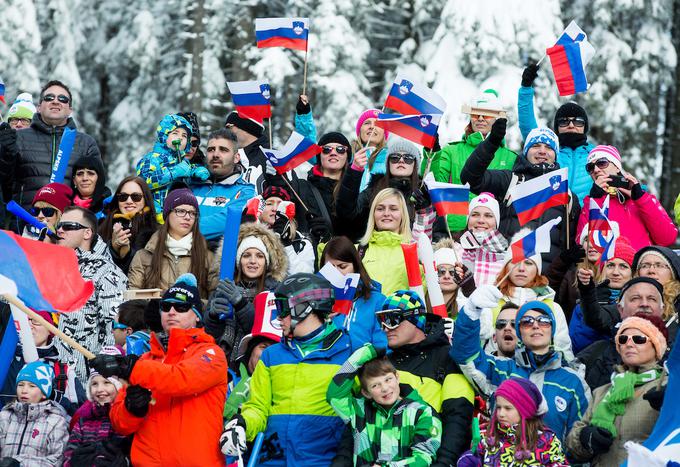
(618, 181)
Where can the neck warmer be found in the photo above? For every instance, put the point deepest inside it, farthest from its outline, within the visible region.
(573, 140)
(83, 203)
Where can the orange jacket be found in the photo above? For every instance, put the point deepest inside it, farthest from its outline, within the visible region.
(189, 384)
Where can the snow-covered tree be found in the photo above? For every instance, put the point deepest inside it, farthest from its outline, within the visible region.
(19, 52)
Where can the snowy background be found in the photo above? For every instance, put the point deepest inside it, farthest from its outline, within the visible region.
(130, 63)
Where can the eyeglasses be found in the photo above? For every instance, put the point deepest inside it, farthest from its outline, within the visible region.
(442, 271)
(194, 143)
(61, 98)
(528, 321)
(502, 323)
(179, 307)
(407, 158)
(600, 163)
(391, 319)
(637, 339)
(47, 212)
(117, 325)
(136, 197)
(338, 149)
(563, 122)
(653, 265)
(179, 212)
(69, 226)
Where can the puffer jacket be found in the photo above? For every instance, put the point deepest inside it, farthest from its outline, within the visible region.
(38, 146)
(34, 434)
(384, 261)
(379, 167)
(93, 426)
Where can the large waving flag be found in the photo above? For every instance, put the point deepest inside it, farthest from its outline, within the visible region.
(421, 129)
(344, 286)
(532, 198)
(297, 150)
(535, 242)
(252, 99)
(448, 198)
(569, 57)
(290, 33)
(409, 97)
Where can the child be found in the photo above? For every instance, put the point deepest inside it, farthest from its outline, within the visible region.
(405, 430)
(92, 436)
(33, 429)
(517, 435)
(129, 330)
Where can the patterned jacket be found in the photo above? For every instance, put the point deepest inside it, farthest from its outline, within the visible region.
(93, 426)
(33, 434)
(91, 326)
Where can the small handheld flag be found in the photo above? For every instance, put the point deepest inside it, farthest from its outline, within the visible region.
(297, 150)
(448, 198)
(68, 138)
(344, 286)
(426, 255)
(2, 91)
(535, 242)
(569, 57)
(598, 217)
(289, 33)
(421, 129)
(534, 197)
(252, 99)
(409, 97)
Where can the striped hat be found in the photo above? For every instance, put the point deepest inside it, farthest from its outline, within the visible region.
(605, 152)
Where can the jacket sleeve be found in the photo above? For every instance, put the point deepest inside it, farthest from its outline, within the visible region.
(190, 376)
(476, 172)
(339, 393)
(344, 456)
(525, 111)
(676, 209)
(74, 441)
(137, 272)
(562, 340)
(255, 411)
(347, 207)
(427, 436)
(661, 229)
(456, 415)
(304, 124)
(423, 224)
(156, 171)
(441, 164)
(123, 421)
(601, 318)
(212, 227)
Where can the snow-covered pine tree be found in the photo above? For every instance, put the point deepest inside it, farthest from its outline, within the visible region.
(19, 55)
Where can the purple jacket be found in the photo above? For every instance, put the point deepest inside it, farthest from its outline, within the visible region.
(92, 425)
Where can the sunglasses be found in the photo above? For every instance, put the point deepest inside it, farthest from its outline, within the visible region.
(442, 271)
(600, 164)
(117, 325)
(179, 307)
(502, 323)
(407, 158)
(564, 122)
(68, 226)
(528, 321)
(61, 98)
(194, 143)
(338, 149)
(136, 197)
(47, 212)
(637, 339)
(391, 319)
(478, 116)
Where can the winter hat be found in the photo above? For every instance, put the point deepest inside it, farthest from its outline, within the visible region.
(277, 191)
(399, 145)
(55, 194)
(444, 256)
(485, 103)
(185, 290)
(541, 135)
(536, 306)
(266, 327)
(179, 197)
(287, 209)
(334, 137)
(251, 242)
(192, 118)
(639, 280)
(22, 107)
(537, 259)
(51, 318)
(406, 301)
(366, 114)
(571, 109)
(248, 125)
(486, 200)
(671, 258)
(651, 326)
(624, 251)
(106, 350)
(605, 152)
(38, 373)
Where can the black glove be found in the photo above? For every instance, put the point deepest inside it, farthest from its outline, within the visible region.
(137, 400)
(597, 440)
(466, 283)
(8, 137)
(318, 228)
(497, 132)
(529, 75)
(301, 108)
(636, 192)
(9, 462)
(282, 228)
(380, 352)
(420, 197)
(603, 293)
(114, 365)
(655, 397)
(573, 255)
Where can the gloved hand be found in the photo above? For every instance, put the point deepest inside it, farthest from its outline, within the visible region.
(198, 172)
(285, 212)
(137, 400)
(181, 170)
(227, 289)
(233, 440)
(573, 255)
(486, 296)
(363, 354)
(655, 397)
(82, 455)
(9, 462)
(466, 283)
(220, 307)
(529, 75)
(318, 228)
(114, 365)
(448, 327)
(597, 440)
(420, 197)
(497, 132)
(303, 107)
(8, 138)
(636, 192)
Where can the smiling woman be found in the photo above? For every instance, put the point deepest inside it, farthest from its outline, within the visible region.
(89, 185)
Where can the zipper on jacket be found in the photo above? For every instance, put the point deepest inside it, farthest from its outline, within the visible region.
(21, 440)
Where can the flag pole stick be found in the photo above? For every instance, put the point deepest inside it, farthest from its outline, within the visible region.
(507, 274)
(453, 247)
(539, 62)
(304, 76)
(271, 143)
(285, 179)
(568, 231)
(36, 317)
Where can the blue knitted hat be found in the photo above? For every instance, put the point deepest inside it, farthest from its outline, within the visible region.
(38, 373)
(536, 306)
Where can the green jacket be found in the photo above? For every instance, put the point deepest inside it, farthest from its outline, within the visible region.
(406, 434)
(449, 161)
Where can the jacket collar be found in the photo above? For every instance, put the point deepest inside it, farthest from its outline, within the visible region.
(43, 127)
(179, 340)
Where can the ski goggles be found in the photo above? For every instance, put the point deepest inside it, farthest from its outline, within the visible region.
(391, 319)
(285, 306)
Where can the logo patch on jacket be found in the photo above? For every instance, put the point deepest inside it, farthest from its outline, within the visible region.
(560, 404)
(35, 433)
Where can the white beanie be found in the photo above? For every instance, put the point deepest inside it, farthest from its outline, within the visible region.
(485, 103)
(444, 256)
(486, 200)
(106, 350)
(251, 242)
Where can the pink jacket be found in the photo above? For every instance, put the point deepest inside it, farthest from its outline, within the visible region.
(644, 221)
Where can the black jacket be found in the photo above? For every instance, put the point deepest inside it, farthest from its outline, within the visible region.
(600, 358)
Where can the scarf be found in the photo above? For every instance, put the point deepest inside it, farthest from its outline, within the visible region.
(572, 140)
(314, 340)
(83, 203)
(181, 247)
(483, 253)
(621, 391)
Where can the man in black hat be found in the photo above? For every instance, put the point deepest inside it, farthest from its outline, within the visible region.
(250, 136)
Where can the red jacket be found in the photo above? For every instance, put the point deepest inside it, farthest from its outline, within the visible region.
(189, 385)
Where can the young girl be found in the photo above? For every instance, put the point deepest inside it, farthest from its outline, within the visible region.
(517, 435)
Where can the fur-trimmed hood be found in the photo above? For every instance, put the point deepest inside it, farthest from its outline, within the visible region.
(278, 261)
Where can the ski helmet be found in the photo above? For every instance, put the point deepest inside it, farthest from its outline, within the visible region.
(301, 294)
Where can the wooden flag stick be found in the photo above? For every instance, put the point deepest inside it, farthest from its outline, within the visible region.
(271, 143)
(304, 76)
(453, 247)
(285, 179)
(507, 274)
(539, 62)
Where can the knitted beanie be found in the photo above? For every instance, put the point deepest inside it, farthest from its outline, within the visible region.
(651, 326)
(403, 301)
(38, 373)
(541, 135)
(668, 255)
(55, 194)
(248, 125)
(22, 107)
(444, 256)
(571, 109)
(276, 191)
(624, 251)
(605, 152)
(399, 145)
(179, 197)
(639, 280)
(185, 291)
(251, 242)
(486, 200)
(539, 306)
(334, 137)
(366, 114)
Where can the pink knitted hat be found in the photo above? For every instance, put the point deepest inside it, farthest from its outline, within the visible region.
(369, 113)
(605, 152)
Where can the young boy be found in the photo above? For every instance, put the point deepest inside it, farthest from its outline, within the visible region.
(390, 423)
(129, 330)
(33, 429)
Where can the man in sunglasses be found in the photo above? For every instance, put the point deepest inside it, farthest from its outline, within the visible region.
(505, 335)
(31, 153)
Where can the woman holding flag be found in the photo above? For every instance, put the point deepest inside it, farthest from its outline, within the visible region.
(369, 135)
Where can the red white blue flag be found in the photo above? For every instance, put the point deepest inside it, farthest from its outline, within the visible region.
(598, 216)
(252, 99)
(534, 197)
(2, 91)
(290, 33)
(601, 234)
(344, 286)
(448, 198)
(297, 150)
(535, 242)
(421, 129)
(569, 57)
(408, 97)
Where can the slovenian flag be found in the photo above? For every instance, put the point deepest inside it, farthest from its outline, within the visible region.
(421, 129)
(448, 198)
(344, 286)
(252, 99)
(535, 242)
(534, 197)
(297, 150)
(569, 57)
(290, 33)
(409, 97)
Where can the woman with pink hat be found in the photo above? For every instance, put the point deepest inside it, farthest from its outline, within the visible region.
(372, 141)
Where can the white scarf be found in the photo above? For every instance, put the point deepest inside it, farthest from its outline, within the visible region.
(181, 247)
